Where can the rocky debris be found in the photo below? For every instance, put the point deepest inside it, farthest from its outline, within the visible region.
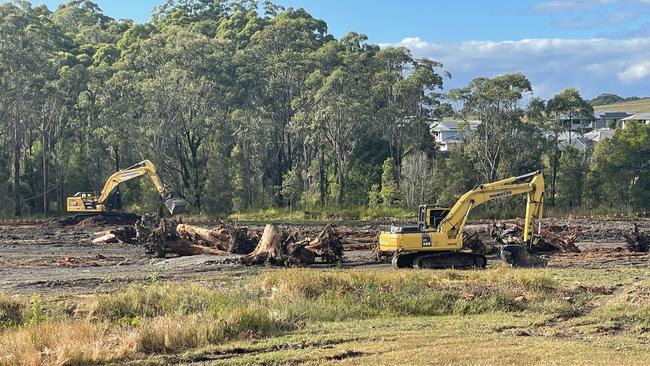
(637, 241)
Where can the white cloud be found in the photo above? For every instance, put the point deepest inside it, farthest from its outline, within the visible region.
(593, 65)
(636, 72)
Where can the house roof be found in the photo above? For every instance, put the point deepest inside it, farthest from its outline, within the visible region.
(600, 134)
(637, 117)
(439, 126)
(605, 114)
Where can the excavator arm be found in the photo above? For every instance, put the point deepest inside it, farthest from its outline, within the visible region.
(142, 168)
(455, 220)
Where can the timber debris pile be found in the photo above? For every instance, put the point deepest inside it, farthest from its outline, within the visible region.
(553, 238)
(274, 245)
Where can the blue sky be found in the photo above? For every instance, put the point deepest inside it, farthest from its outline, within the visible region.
(594, 45)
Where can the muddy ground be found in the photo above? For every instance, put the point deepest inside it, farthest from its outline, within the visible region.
(58, 259)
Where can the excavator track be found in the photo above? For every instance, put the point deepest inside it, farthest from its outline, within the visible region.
(440, 260)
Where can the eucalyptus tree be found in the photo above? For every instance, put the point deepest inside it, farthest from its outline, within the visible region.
(405, 95)
(183, 78)
(567, 105)
(335, 108)
(25, 52)
(497, 104)
(283, 47)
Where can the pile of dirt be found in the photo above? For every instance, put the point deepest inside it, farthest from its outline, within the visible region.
(83, 221)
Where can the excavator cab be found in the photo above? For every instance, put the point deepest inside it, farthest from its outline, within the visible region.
(430, 216)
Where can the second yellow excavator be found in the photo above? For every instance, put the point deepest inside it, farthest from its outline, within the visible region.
(109, 198)
(437, 240)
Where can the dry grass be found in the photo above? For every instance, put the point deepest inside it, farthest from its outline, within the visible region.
(166, 318)
(71, 342)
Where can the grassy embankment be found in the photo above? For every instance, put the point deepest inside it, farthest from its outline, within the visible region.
(635, 106)
(500, 315)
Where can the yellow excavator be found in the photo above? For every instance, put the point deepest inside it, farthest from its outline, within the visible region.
(109, 199)
(436, 241)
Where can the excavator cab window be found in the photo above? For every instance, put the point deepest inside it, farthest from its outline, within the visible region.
(430, 216)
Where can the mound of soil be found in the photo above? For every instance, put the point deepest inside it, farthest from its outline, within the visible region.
(95, 220)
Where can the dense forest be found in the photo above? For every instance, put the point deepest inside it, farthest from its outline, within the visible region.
(245, 105)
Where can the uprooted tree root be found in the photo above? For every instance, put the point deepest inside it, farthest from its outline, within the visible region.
(637, 241)
(551, 239)
(274, 245)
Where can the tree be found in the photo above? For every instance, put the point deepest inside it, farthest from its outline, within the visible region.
(453, 177)
(571, 180)
(496, 103)
(389, 189)
(405, 95)
(568, 105)
(334, 103)
(417, 179)
(25, 49)
(620, 172)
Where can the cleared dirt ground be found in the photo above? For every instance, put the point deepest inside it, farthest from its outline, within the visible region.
(51, 259)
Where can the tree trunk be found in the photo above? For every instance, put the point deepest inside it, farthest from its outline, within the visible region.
(322, 184)
(17, 152)
(340, 198)
(554, 169)
(44, 149)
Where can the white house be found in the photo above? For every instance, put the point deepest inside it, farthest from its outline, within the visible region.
(450, 133)
(643, 118)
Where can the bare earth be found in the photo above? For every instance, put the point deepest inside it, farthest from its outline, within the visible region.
(51, 259)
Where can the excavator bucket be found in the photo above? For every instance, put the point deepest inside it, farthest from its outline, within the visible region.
(175, 206)
(518, 256)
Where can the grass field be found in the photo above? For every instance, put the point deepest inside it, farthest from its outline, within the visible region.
(307, 316)
(636, 106)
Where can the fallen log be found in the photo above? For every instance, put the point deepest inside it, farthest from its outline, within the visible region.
(184, 248)
(218, 238)
(106, 238)
(124, 234)
(225, 237)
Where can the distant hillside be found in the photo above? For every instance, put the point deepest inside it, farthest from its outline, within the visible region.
(635, 106)
(607, 99)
